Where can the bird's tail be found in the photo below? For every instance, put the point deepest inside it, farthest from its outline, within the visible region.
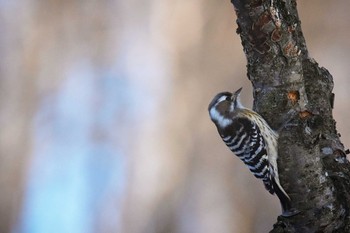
(287, 209)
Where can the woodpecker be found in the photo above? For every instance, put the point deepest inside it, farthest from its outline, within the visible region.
(250, 137)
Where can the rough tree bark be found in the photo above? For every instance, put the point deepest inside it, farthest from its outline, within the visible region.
(289, 86)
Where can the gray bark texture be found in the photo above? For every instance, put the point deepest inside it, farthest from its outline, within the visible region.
(295, 96)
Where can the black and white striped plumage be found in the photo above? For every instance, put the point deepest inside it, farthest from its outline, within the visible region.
(249, 136)
(244, 139)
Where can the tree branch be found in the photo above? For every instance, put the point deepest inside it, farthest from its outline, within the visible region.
(291, 87)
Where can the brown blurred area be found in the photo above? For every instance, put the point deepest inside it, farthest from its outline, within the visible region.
(180, 177)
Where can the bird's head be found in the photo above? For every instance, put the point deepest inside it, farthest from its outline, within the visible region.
(223, 105)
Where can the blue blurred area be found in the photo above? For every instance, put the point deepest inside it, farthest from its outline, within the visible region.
(77, 162)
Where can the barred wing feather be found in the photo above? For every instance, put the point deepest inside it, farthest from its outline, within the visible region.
(244, 138)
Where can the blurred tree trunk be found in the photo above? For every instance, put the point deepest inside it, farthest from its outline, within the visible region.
(17, 105)
(312, 161)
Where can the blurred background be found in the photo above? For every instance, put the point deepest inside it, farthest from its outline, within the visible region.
(103, 113)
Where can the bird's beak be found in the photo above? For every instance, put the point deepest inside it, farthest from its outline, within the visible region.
(236, 93)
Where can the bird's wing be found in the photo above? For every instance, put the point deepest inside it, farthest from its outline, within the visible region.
(244, 138)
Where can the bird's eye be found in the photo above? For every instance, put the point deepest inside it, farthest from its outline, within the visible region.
(228, 98)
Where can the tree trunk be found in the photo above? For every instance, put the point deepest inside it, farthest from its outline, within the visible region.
(295, 96)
